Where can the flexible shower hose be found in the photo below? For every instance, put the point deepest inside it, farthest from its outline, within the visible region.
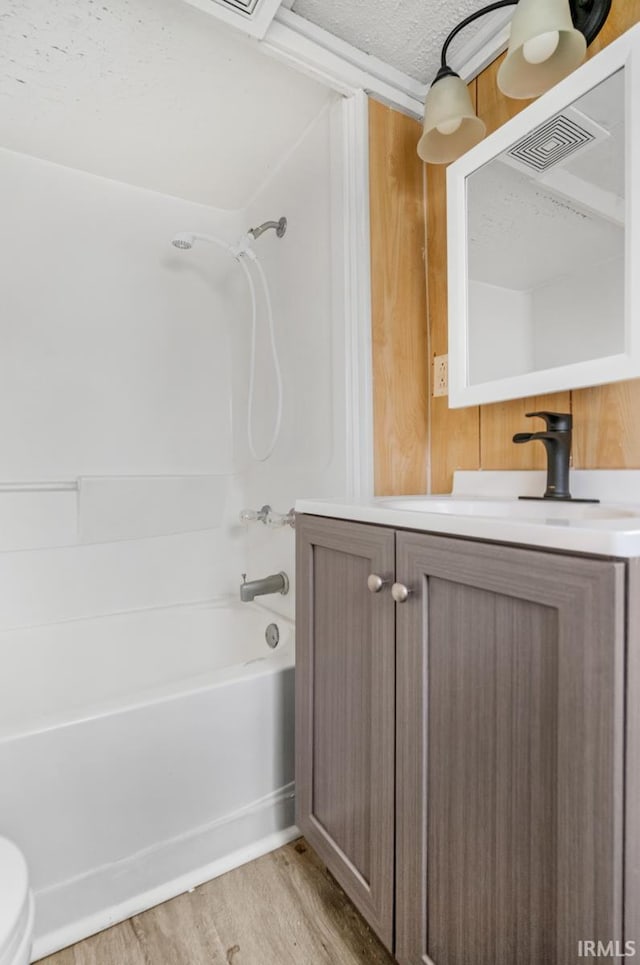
(241, 251)
(252, 365)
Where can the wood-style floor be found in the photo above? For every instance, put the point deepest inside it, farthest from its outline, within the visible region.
(283, 909)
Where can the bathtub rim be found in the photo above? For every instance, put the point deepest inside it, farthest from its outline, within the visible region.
(273, 662)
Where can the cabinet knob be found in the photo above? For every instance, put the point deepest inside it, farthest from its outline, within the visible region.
(400, 592)
(376, 583)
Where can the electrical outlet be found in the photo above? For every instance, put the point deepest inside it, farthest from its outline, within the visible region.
(441, 375)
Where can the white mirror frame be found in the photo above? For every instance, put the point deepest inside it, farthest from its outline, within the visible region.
(624, 52)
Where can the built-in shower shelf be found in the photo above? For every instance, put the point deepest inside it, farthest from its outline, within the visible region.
(54, 486)
(47, 514)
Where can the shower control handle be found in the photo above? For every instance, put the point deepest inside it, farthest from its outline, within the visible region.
(400, 592)
(376, 583)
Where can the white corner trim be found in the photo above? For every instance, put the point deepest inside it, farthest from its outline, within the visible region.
(351, 199)
(346, 69)
(318, 54)
(370, 66)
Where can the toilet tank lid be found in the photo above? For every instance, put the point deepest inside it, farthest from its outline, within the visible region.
(14, 890)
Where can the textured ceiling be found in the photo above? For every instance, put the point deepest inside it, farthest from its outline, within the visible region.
(151, 92)
(407, 34)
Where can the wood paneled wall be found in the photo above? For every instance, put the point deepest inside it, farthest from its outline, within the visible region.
(606, 418)
(399, 303)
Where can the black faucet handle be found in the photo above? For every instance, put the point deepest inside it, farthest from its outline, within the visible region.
(556, 421)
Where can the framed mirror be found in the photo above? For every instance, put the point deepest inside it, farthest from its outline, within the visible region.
(543, 227)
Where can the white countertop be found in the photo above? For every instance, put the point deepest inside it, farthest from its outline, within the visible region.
(617, 536)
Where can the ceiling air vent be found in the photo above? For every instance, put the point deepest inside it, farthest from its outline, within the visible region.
(250, 16)
(245, 7)
(554, 142)
(551, 143)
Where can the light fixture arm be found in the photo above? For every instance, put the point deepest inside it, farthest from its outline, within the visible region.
(465, 23)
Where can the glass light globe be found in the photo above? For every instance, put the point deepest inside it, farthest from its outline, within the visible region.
(541, 48)
(449, 127)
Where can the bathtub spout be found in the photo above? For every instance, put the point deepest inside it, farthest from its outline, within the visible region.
(276, 583)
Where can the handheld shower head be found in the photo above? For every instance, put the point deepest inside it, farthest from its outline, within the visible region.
(184, 241)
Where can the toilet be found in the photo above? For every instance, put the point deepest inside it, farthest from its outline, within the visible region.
(16, 906)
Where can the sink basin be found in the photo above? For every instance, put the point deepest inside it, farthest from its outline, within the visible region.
(508, 508)
(484, 505)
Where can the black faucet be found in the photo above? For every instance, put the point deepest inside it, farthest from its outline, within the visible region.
(557, 442)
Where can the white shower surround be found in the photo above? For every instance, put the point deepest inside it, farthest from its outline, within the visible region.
(129, 560)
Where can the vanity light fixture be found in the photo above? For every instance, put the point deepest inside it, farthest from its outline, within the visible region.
(549, 39)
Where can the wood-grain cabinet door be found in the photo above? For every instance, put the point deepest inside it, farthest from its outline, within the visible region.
(345, 695)
(509, 754)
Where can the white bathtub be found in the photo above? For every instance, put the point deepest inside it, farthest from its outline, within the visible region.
(153, 751)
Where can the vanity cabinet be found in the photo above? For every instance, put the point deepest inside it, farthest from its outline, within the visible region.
(345, 707)
(460, 754)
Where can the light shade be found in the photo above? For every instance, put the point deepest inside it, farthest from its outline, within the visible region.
(544, 48)
(451, 126)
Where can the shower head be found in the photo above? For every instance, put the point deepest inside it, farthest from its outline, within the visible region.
(184, 241)
(280, 228)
